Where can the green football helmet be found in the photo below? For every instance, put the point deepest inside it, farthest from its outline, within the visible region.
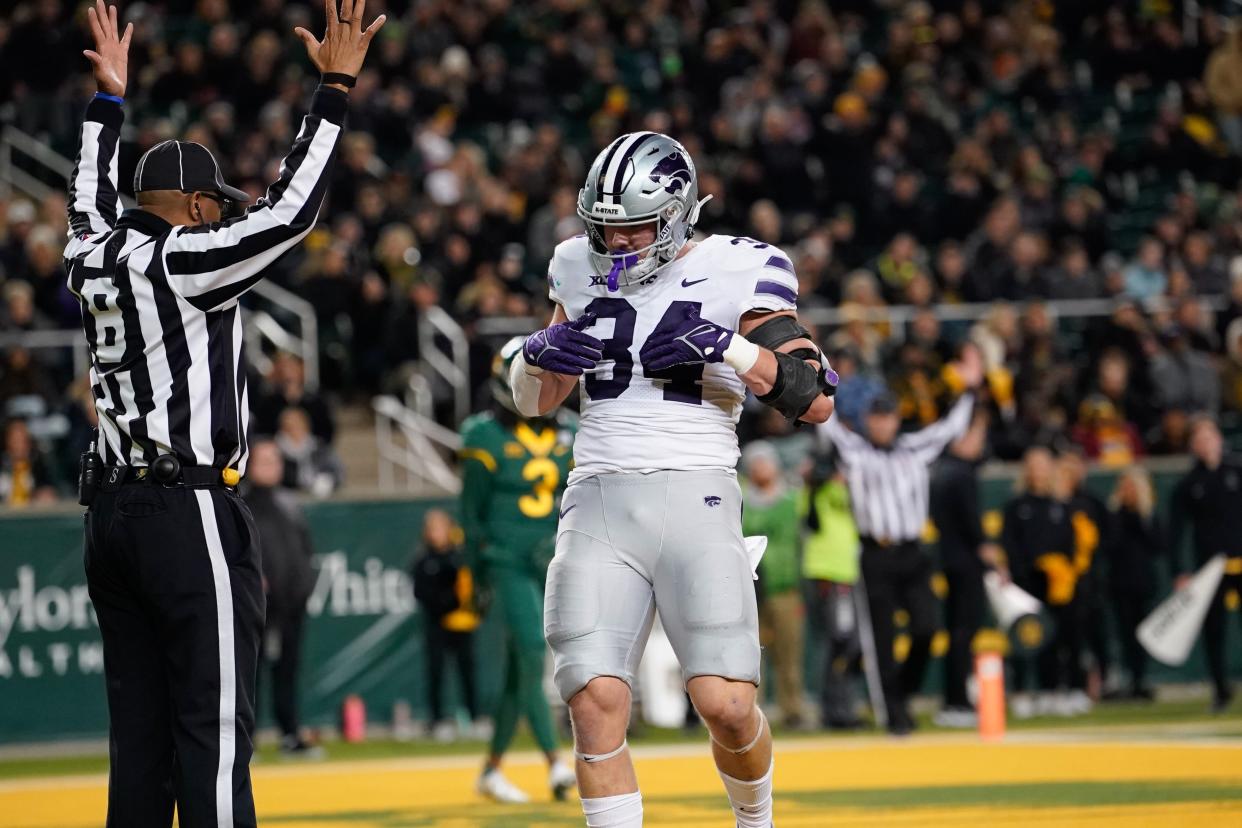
(502, 391)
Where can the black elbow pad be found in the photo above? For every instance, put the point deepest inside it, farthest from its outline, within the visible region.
(796, 387)
(777, 331)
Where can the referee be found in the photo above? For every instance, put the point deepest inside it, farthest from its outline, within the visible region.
(887, 475)
(172, 556)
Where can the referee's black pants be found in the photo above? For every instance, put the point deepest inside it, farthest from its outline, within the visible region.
(174, 577)
(898, 576)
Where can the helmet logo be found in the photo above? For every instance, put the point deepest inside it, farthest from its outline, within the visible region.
(672, 175)
(601, 209)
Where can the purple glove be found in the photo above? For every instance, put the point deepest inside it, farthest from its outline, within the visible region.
(692, 342)
(564, 348)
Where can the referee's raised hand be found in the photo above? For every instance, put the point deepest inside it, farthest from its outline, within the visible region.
(344, 45)
(110, 56)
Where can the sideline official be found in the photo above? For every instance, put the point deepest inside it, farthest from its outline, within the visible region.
(172, 559)
(887, 474)
(1208, 500)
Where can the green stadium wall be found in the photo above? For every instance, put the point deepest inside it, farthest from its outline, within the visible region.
(362, 637)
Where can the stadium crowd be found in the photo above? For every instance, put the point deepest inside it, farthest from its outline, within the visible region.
(917, 153)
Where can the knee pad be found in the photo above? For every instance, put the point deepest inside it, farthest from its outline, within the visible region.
(763, 725)
(592, 758)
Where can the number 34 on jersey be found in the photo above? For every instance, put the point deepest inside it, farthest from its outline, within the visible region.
(685, 417)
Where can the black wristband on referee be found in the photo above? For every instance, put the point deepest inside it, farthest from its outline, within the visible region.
(343, 79)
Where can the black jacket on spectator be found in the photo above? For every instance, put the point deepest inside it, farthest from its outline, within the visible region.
(435, 582)
(955, 511)
(1211, 500)
(1135, 544)
(287, 552)
(1035, 525)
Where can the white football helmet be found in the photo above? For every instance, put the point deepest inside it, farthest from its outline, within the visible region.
(639, 178)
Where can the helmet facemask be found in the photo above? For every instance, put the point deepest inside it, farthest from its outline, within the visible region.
(632, 267)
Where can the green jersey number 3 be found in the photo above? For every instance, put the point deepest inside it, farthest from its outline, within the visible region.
(546, 475)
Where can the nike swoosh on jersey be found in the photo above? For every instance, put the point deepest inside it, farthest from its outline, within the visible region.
(688, 283)
(568, 509)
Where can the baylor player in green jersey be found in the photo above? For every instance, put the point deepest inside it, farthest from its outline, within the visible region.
(513, 473)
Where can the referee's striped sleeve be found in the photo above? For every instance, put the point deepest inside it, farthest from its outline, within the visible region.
(847, 442)
(212, 265)
(94, 202)
(930, 441)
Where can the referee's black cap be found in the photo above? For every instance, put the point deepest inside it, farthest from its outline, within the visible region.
(184, 166)
(883, 403)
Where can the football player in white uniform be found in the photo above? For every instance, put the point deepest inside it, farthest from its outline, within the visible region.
(663, 336)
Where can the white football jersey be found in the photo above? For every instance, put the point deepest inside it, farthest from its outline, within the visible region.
(686, 418)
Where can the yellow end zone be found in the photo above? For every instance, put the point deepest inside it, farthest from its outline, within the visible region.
(935, 780)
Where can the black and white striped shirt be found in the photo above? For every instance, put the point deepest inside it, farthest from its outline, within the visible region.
(889, 486)
(159, 303)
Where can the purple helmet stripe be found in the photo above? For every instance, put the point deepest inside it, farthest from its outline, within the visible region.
(599, 184)
(777, 289)
(779, 263)
(619, 179)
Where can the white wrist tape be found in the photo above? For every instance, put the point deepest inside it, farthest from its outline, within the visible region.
(742, 354)
(526, 384)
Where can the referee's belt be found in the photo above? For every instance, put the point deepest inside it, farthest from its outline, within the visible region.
(170, 474)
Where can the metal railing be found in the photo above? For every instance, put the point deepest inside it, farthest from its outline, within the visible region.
(452, 364)
(305, 343)
(498, 326)
(897, 316)
(413, 447)
(13, 140)
(51, 340)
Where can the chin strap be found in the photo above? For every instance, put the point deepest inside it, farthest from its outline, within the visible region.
(693, 218)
